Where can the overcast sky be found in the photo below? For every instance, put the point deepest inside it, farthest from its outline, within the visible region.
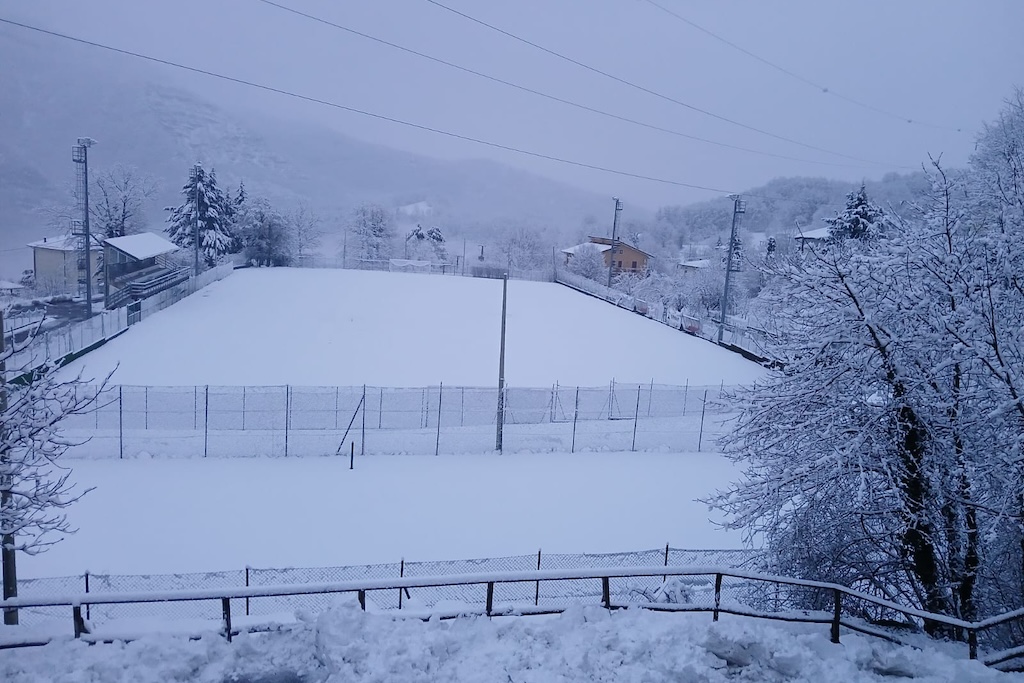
(946, 64)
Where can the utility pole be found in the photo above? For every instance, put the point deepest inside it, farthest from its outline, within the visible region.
(615, 235)
(80, 155)
(501, 367)
(10, 572)
(194, 176)
(738, 207)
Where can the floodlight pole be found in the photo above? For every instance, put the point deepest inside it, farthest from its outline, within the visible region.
(615, 233)
(80, 155)
(738, 206)
(501, 367)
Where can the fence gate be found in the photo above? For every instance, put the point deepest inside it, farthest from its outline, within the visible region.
(134, 312)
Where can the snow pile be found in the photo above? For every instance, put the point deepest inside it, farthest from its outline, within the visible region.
(278, 326)
(583, 644)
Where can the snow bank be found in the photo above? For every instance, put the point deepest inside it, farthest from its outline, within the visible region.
(583, 644)
(347, 328)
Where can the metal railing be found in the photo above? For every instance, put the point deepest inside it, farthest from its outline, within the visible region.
(499, 594)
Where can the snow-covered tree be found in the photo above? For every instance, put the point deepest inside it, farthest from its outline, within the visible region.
(521, 248)
(206, 204)
(860, 220)
(306, 229)
(117, 201)
(373, 229)
(887, 451)
(35, 487)
(413, 239)
(436, 240)
(588, 262)
(267, 237)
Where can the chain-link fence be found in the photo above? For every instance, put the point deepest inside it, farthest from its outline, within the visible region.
(199, 421)
(699, 589)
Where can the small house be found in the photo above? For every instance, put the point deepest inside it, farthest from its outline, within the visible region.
(625, 258)
(58, 264)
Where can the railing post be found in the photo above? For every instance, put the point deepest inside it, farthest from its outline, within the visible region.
(362, 600)
(837, 608)
(972, 642)
(606, 594)
(718, 595)
(490, 597)
(225, 604)
(76, 613)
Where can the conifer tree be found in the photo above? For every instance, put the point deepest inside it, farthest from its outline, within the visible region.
(204, 203)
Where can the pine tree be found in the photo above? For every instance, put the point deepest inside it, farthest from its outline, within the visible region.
(860, 220)
(204, 203)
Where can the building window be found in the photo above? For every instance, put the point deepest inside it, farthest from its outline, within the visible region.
(620, 264)
(634, 265)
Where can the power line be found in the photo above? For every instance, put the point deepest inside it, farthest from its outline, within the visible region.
(545, 95)
(655, 93)
(361, 112)
(806, 81)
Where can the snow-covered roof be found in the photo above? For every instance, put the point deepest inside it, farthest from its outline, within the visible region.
(7, 284)
(143, 245)
(575, 249)
(696, 263)
(62, 243)
(816, 234)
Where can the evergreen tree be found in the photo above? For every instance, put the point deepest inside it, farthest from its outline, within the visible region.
(436, 239)
(372, 226)
(205, 204)
(267, 237)
(860, 220)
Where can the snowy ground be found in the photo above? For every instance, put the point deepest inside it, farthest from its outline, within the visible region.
(347, 328)
(583, 644)
(166, 515)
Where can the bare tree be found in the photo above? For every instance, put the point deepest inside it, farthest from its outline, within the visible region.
(306, 230)
(117, 199)
(35, 488)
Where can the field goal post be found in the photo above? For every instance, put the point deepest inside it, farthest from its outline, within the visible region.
(399, 265)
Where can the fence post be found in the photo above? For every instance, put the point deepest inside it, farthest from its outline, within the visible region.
(665, 577)
(206, 423)
(462, 409)
(836, 610)
(700, 434)
(380, 409)
(636, 417)
(490, 597)
(145, 405)
(554, 399)
(76, 615)
(337, 390)
(401, 573)
(195, 407)
(225, 604)
(972, 642)
(718, 595)
(362, 600)
(362, 435)
(120, 421)
(575, 415)
(536, 595)
(243, 407)
(352, 455)
(686, 390)
(287, 415)
(606, 593)
(87, 615)
(650, 397)
(437, 442)
(246, 585)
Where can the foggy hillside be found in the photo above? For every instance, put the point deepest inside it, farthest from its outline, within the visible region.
(54, 93)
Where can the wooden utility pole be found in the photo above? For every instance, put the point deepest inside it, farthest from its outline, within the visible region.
(10, 572)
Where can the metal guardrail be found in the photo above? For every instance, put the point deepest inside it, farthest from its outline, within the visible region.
(488, 582)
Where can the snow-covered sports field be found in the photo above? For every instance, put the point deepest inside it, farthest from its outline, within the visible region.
(325, 327)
